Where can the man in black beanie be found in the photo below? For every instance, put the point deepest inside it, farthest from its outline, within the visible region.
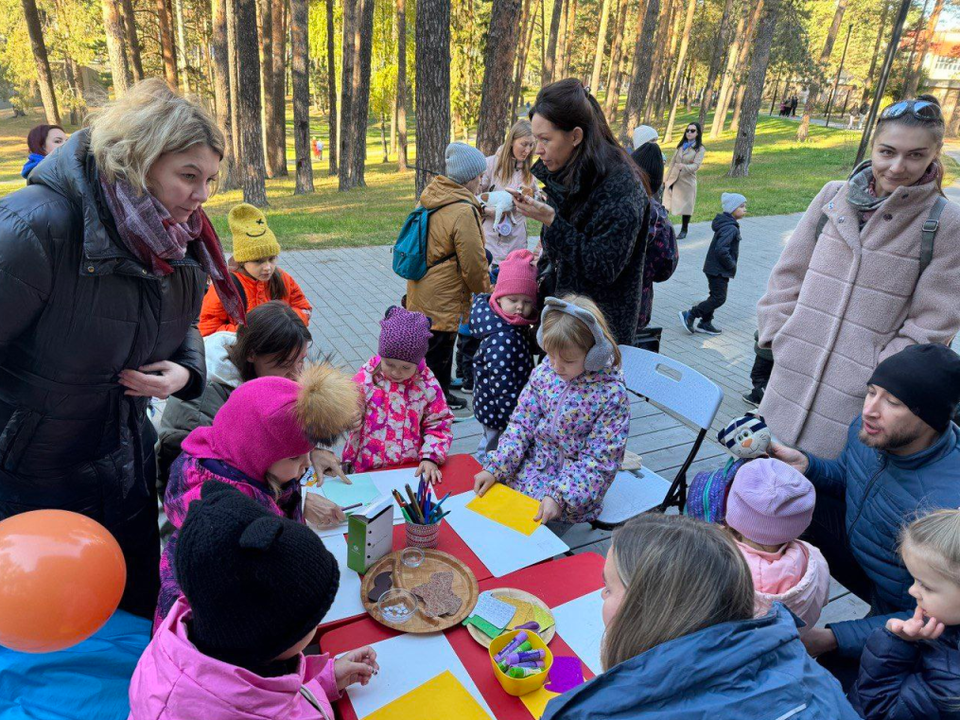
(902, 458)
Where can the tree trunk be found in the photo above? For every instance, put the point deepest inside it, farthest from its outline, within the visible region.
(736, 70)
(737, 108)
(642, 68)
(813, 96)
(716, 58)
(44, 76)
(265, 16)
(612, 99)
(182, 43)
(234, 83)
(221, 87)
(401, 85)
(678, 75)
(332, 91)
(570, 32)
(498, 60)
(116, 47)
(277, 119)
(868, 84)
(348, 56)
(132, 43)
(526, 37)
(926, 35)
(70, 74)
(551, 53)
(432, 64)
(250, 129)
(300, 75)
(743, 149)
(383, 138)
(361, 107)
(168, 51)
(661, 40)
(601, 43)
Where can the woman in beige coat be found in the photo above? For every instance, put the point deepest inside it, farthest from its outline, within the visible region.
(838, 304)
(680, 187)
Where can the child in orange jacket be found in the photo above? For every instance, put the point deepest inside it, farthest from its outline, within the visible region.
(255, 250)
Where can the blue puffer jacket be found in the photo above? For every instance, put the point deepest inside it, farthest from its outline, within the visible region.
(755, 668)
(902, 680)
(501, 365)
(882, 491)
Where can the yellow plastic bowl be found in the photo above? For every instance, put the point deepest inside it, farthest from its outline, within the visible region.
(520, 686)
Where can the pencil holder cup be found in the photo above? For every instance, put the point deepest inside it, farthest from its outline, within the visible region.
(423, 536)
(520, 686)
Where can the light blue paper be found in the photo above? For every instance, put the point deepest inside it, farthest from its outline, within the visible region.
(361, 491)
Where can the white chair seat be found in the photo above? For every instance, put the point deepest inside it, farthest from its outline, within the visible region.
(631, 494)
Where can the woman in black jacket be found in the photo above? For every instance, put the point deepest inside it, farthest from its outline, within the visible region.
(596, 206)
(104, 259)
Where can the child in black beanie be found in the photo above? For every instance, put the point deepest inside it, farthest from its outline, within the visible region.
(255, 587)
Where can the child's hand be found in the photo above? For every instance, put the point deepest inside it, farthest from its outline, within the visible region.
(430, 472)
(356, 666)
(482, 482)
(549, 510)
(324, 463)
(319, 512)
(915, 629)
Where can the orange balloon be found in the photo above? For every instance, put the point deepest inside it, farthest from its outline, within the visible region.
(61, 578)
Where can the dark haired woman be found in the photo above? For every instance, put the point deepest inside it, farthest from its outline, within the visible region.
(680, 195)
(41, 141)
(852, 286)
(595, 210)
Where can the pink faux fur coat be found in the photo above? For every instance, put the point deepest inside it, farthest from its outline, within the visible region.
(837, 306)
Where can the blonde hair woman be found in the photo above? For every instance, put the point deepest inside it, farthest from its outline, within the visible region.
(106, 255)
(681, 640)
(509, 168)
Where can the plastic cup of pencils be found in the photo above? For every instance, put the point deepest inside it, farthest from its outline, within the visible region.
(423, 536)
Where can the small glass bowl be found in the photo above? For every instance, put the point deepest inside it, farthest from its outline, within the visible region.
(397, 605)
(412, 557)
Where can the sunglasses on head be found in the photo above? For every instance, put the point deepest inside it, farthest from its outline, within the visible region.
(920, 109)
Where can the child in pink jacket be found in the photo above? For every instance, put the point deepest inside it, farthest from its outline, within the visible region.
(406, 417)
(769, 507)
(255, 587)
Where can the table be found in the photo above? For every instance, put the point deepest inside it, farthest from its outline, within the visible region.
(555, 582)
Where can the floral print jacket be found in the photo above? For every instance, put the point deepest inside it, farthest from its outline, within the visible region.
(565, 440)
(403, 422)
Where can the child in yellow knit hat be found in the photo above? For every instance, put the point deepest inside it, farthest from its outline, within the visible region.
(255, 252)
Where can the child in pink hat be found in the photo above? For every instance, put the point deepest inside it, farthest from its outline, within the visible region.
(260, 443)
(406, 417)
(504, 360)
(769, 507)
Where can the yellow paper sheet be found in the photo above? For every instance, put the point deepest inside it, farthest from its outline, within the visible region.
(525, 611)
(536, 702)
(508, 507)
(442, 698)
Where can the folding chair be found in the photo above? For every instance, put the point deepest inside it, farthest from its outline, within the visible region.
(682, 393)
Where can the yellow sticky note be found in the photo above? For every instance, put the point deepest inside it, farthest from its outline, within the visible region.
(508, 507)
(543, 618)
(441, 698)
(525, 611)
(536, 702)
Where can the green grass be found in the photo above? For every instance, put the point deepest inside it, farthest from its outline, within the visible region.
(784, 177)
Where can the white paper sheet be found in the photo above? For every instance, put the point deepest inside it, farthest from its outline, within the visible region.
(347, 603)
(580, 624)
(406, 662)
(632, 494)
(500, 548)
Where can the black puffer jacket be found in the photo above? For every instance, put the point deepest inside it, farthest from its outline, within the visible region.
(78, 309)
(592, 243)
(724, 249)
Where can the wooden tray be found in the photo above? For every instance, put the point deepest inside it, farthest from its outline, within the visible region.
(465, 587)
(546, 636)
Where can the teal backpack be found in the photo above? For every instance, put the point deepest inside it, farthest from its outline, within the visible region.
(410, 249)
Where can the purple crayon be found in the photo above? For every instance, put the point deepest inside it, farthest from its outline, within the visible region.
(520, 638)
(530, 664)
(515, 658)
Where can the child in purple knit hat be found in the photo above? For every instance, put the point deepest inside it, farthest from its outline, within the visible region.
(769, 507)
(405, 417)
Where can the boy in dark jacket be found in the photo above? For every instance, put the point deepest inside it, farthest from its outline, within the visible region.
(721, 264)
(504, 360)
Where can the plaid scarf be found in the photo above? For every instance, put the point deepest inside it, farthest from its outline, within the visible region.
(151, 234)
(862, 192)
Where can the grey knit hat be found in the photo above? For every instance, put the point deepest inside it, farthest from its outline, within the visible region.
(731, 201)
(464, 163)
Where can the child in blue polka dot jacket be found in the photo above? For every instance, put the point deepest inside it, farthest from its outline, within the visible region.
(566, 438)
(504, 360)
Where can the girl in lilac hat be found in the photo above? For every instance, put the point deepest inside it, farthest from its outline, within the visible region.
(769, 507)
(405, 417)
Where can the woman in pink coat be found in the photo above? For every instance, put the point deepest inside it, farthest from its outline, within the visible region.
(405, 416)
(255, 588)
